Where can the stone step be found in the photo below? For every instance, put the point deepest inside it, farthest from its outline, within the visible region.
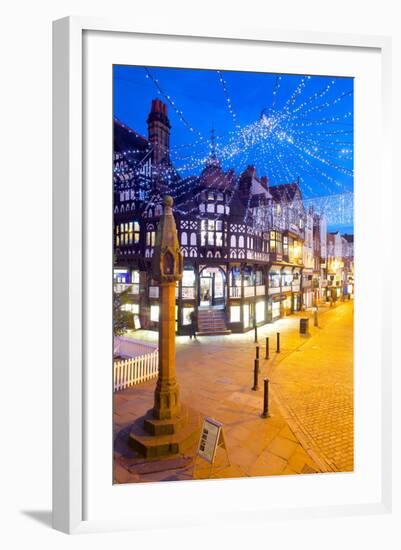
(213, 332)
(212, 322)
(152, 446)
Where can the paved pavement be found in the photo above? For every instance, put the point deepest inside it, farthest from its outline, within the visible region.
(311, 424)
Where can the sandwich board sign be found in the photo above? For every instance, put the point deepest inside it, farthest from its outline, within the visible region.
(211, 438)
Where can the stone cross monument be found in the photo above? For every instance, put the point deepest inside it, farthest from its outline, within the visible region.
(170, 427)
(167, 267)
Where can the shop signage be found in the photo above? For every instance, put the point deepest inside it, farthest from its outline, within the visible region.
(211, 438)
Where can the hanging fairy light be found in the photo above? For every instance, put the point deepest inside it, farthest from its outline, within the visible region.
(298, 135)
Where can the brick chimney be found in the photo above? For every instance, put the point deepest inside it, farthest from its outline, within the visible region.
(159, 131)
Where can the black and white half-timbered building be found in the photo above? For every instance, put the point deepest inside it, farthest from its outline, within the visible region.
(241, 238)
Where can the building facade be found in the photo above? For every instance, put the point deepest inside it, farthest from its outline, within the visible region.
(249, 248)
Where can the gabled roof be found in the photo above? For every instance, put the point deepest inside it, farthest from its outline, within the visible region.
(348, 237)
(214, 177)
(126, 139)
(285, 192)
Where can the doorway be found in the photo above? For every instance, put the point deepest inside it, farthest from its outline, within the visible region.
(212, 287)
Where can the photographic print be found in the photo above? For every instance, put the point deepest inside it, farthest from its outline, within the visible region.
(233, 274)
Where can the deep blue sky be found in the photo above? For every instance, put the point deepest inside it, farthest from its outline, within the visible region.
(312, 136)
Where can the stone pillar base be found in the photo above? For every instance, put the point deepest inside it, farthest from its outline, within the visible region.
(167, 400)
(153, 438)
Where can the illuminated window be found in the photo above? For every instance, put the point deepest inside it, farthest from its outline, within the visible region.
(246, 315)
(150, 238)
(276, 244)
(186, 315)
(188, 277)
(274, 279)
(211, 233)
(128, 233)
(285, 245)
(154, 314)
(260, 311)
(235, 314)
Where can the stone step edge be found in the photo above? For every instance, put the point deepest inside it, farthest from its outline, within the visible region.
(213, 333)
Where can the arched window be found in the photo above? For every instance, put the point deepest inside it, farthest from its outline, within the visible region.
(233, 241)
(158, 210)
(241, 241)
(193, 239)
(184, 238)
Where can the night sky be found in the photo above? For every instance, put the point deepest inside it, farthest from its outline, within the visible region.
(287, 126)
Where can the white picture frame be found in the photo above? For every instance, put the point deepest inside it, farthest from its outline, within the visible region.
(69, 260)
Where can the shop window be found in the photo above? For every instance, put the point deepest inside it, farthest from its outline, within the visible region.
(274, 279)
(260, 311)
(235, 276)
(188, 277)
(186, 315)
(235, 314)
(246, 315)
(248, 276)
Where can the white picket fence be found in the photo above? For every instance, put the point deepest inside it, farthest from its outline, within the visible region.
(129, 347)
(128, 372)
(137, 362)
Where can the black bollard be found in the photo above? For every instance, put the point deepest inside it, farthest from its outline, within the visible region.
(256, 334)
(265, 413)
(257, 352)
(256, 375)
(267, 348)
(278, 343)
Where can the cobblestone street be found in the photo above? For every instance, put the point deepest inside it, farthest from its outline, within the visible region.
(311, 406)
(315, 385)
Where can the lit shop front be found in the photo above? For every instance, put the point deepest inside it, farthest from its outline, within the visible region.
(296, 289)
(286, 290)
(126, 291)
(307, 290)
(274, 293)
